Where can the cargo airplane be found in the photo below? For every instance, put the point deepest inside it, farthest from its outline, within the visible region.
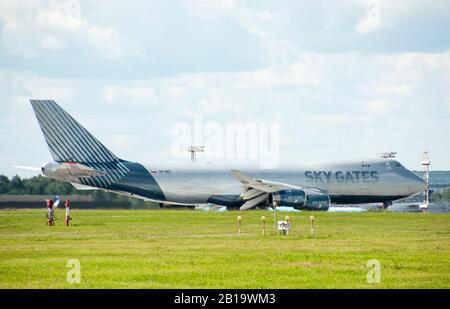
(81, 159)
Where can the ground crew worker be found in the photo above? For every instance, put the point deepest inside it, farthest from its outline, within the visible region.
(68, 218)
(50, 213)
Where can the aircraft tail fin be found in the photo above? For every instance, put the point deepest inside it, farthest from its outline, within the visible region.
(67, 140)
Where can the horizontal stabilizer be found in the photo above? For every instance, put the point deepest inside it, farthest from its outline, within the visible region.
(82, 187)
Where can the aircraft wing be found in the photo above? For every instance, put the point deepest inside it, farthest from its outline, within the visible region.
(256, 190)
(261, 185)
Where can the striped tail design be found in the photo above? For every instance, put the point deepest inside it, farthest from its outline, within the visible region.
(69, 141)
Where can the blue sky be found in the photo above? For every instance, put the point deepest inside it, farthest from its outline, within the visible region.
(345, 79)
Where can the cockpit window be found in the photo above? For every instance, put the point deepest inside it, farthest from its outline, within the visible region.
(364, 164)
(398, 164)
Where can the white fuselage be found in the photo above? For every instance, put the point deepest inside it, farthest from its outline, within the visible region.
(344, 182)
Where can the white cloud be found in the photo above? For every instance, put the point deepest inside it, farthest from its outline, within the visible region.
(372, 20)
(51, 42)
(57, 17)
(400, 89)
(380, 14)
(106, 40)
(305, 71)
(33, 86)
(369, 24)
(381, 106)
(266, 15)
(11, 33)
(211, 9)
(120, 141)
(135, 95)
(32, 27)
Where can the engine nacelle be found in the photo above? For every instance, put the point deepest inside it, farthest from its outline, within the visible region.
(317, 201)
(69, 171)
(301, 199)
(51, 169)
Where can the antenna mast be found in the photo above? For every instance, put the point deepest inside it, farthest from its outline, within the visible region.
(426, 164)
(387, 154)
(194, 149)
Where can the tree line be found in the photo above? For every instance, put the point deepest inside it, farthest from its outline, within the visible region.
(443, 196)
(40, 185)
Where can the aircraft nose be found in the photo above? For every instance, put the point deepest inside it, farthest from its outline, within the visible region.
(417, 184)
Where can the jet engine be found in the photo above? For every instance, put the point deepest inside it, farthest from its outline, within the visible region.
(302, 199)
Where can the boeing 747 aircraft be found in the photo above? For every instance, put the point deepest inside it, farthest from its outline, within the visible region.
(79, 158)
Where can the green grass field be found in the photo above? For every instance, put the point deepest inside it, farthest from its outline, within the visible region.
(195, 249)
